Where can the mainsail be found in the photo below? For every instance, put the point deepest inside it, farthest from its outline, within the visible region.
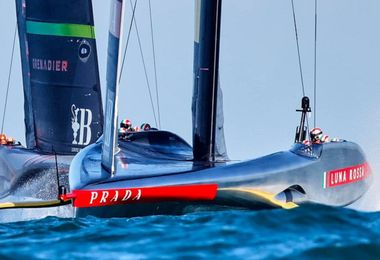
(207, 106)
(63, 106)
(113, 71)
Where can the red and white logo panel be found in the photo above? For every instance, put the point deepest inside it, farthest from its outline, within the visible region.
(345, 176)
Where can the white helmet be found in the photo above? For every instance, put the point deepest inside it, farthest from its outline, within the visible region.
(316, 134)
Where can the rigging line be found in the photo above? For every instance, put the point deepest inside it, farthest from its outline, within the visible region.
(299, 57)
(145, 70)
(128, 37)
(315, 62)
(298, 48)
(56, 172)
(9, 79)
(155, 67)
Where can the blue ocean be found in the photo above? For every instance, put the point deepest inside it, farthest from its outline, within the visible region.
(308, 232)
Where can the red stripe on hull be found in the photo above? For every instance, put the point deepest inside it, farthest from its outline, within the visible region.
(109, 197)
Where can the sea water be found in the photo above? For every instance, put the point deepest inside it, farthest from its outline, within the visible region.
(316, 232)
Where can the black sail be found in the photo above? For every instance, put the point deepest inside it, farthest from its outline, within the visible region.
(207, 105)
(63, 106)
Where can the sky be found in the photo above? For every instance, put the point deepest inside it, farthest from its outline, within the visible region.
(259, 71)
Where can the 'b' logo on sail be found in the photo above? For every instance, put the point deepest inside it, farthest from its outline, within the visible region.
(80, 121)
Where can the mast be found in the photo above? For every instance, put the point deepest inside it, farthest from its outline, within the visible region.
(206, 69)
(113, 71)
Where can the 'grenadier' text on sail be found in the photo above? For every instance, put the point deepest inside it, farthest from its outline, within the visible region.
(50, 65)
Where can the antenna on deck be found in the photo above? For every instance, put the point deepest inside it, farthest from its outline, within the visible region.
(302, 129)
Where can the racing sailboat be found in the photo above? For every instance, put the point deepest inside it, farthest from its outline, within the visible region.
(62, 100)
(157, 172)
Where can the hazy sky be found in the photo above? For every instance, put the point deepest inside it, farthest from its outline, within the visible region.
(258, 70)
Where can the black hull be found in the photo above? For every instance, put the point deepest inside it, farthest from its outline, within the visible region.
(334, 174)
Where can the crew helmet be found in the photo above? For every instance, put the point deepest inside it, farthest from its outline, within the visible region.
(126, 123)
(145, 127)
(316, 134)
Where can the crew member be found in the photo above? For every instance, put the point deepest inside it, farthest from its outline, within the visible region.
(10, 141)
(125, 127)
(306, 142)
(126, 124)
(3, 139)
(145, 127)
(122, 132)
(317, 136)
